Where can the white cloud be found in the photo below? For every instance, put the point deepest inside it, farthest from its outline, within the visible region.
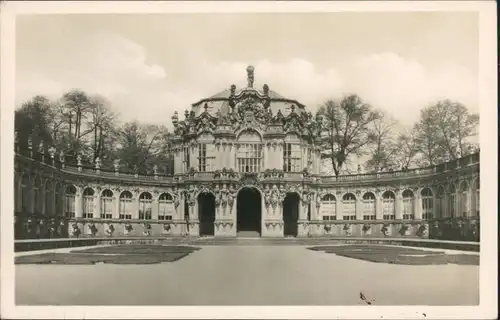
(118, 69)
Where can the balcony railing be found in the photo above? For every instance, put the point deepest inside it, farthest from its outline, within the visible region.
(53, 163)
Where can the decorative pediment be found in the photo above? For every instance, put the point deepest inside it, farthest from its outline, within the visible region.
(249, 178)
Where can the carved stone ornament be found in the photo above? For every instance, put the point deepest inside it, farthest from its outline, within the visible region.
(385, 229)
(249, 178)
(110, 230)
(273, 224)
(75, 230)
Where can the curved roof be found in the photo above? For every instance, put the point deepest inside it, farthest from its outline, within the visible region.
(220, 101)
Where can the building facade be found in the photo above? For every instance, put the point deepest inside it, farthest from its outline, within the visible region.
(245, 161)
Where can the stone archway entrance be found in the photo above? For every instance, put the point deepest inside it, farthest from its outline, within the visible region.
(291, 214)
(206, 214)
(248, 212)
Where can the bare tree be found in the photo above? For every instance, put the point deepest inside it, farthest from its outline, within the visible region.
(444, 131)
(345, 128)
(77, 107)
(101, 120)
(406, 148)
(383, 144)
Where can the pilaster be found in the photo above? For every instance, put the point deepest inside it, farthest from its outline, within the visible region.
(97, 205)
(379, 215)
(359, 208)
(116, 202)
(398, 204)
(78, 202)
(417, 206)
(155, 208)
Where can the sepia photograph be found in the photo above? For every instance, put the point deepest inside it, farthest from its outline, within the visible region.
(252, 157)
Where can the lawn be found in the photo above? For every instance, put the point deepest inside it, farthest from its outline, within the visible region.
(121, 254)
(398, 255)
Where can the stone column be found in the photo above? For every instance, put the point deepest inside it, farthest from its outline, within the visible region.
(176, 161)
(229, 150)
(193, 150)
(318, 162)
(314, 209)
(42, 196)
(181, 207)
(232, 155)
(223, 156)
(444, 209)
(303, 223)
(263, 215)
(469, 201)
(435, 204)
(194, 227)
(279, 156)
(473, 202)
(267, 156)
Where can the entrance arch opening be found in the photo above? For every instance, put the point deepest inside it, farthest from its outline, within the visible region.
(206, 214)
(248, 211)
(291, 214)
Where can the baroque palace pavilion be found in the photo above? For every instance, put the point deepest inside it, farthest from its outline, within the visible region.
(245, 161)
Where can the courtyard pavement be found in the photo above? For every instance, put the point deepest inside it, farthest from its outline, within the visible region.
(248, 275)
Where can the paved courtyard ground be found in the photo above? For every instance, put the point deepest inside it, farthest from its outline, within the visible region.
(249, 275)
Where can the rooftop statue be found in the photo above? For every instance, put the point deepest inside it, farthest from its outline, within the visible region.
(250, 76)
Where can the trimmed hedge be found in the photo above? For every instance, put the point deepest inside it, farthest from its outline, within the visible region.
(398, 255)
(123, 254)
(138, 249)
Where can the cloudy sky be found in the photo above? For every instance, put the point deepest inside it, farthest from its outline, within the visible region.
(150, 65)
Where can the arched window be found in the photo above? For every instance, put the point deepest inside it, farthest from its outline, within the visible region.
(369, 206)
(464, 199)
(26, 196)
(49, 198)
(427, 203)
(328, 208)
(59, 199)
(88, 203)
(477, 197)
(349, 207)
(126, 205)
(440, 202)
(37, 195)
(452, 201)
(249, 152)
(145, 206)
(107, 204)
(292, 154)
(389, 205)
(165, 207)
(70, 201)
(408, 200)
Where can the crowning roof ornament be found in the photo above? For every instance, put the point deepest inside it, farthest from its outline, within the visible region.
(250, 76)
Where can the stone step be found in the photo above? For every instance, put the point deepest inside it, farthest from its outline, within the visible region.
(248, 234)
